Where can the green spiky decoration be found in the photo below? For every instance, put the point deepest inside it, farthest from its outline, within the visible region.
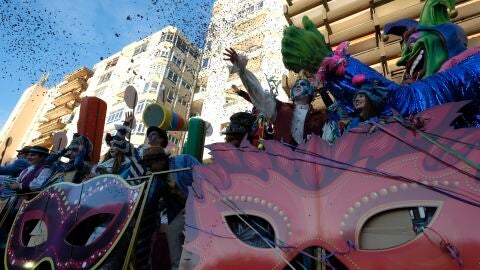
(304, 49)
(436, 12)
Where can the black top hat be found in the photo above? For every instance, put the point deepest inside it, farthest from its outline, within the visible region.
(39, 150)
(162, 133)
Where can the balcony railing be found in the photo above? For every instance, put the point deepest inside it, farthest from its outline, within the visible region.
(78, 83)
(65, 98)
(45, 141)
(59, 111)
(80, 73)
(55, 124)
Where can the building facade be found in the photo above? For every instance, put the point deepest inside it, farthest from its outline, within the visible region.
(254, 28)
(163, 69)
(361, 22)
(21, 119)
(57, 110)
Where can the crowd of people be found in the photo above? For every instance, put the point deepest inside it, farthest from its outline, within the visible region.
(294, 123)
(36, 168)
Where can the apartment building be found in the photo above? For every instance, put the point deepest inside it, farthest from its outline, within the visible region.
(162, 67)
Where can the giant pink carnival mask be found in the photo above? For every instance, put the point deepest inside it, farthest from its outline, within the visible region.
(313, 205)
(64, 213)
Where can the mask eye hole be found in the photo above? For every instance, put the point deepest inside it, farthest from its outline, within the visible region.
(89, 230)
(34, 233)
(394, 227)
(248, 236)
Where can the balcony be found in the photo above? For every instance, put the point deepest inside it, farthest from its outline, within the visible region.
(59, 111)
(80, 73)
(65, 98)
(77, 83)
(45, 141)
(55, 124)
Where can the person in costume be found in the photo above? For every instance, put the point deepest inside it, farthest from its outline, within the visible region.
(122, 157)
(368, 102)
(293, 123)
(173, 189)
(78, 168)
(440, 68)
(37, 174)
(155, 136)
(241, 124)
(21, 163)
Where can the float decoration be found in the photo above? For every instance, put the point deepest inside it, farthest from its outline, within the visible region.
(332, 200)
(56, 226)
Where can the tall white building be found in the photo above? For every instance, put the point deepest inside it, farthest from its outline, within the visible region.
(162, 67)
(253, 28)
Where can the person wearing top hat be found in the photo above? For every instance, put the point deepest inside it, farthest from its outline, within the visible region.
(155, 136)
(173, 189)
(21, 163)
(368, 102)
(37, 174)
(241, 124)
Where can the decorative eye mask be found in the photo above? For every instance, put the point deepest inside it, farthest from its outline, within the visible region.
(72, 226)
(318, 198)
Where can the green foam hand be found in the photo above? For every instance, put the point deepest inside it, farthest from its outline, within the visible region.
(304, 48)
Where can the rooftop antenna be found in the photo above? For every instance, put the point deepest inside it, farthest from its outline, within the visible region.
(43, 79)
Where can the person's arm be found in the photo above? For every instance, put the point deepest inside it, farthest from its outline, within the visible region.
(13, 169)
(56, 156)
(261, 99)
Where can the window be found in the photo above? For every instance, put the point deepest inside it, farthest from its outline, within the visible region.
(190, 69)
(168, 37)
(183, 101)
(127, 82)
(186, 85)
(139, 129)
(112, 63)
(205, 62)
(151, 87)
(115, 116)
(171, 95)
(177, 61)
(162, 53)
(99, 92)
(142, 105)
(172, 76)
(105, 77)
(193, 52)
(182, 45)
(208, 46)
(259, 5)
(140, 49)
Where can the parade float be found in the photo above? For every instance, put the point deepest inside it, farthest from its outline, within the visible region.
(406, 196)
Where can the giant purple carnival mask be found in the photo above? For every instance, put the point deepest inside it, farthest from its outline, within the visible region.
(66, 215)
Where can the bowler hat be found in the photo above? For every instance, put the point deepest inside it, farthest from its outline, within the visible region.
(39, 150)
(25, 149)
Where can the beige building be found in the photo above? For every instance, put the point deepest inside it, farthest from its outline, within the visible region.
(361, 22)
(254, 28)
(57, 109)
(163, 69)
(19, 123)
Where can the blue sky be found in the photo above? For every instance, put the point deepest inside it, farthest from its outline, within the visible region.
(59, 36)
